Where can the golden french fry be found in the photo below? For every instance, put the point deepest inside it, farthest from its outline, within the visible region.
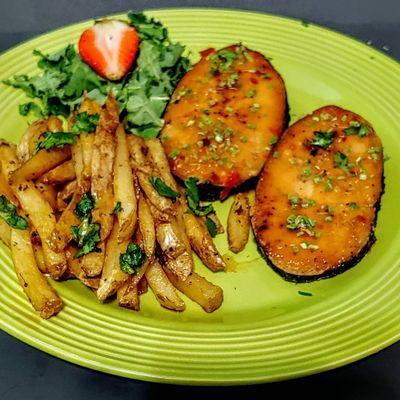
(217, 222)
(202, 242)
(5, 189)
(42, 162)
(92, 263)
(5, 232)
(63, 173)
(162, 288)
(42, 296)
(160, 160)
(49, 193)
(142, 286)
(43, 219)
(124, 190)
(239, 223)
(102, 167)
(26, 145)
(8, 158)
(146, 226)
(76, 269)
(197, 288)
(128, 296)
(39, 257)
(64, 196)
(112, 276)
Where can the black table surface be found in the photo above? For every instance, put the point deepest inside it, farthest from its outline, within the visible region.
(27, 373)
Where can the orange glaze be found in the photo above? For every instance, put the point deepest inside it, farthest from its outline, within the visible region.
(345, 202)
(219, 124)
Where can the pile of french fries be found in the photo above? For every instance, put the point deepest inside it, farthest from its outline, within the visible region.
(114, 167)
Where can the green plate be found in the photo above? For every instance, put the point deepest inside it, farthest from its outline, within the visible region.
(264, 331)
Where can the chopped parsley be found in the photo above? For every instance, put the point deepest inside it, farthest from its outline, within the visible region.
(354, 206)
(193, 197)
(85, 206)
(163, 189)
(85, 123)
(356, 128)
(294, 201)
(174, 154)
(322, 139)
(30, 107)
(222, 61)
(309, 246)
(342, 162)
(118, 208)
(8, 212)
(211, 226)
(54, 139)
(131, 261)
(251, 93)
(301, 223)
(273, 140)
(301, 293)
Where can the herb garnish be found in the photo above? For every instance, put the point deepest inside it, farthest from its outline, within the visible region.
(301, 223)
(54, 139)
(211, 226)
(85, 122)
(356, 128)
(118, 208)
(222, 61)
(322, 139)
(163, 189)
(193, 197)
(300, 292)
(85, 206)
(131, 261)
(8, 212)
(30, 107)
(342, 162)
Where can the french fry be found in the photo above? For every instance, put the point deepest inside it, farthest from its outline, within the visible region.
(5, 232)
(42, 162)
(102, 167)
(44, 222)
(198, 289)
(162, 288)
(61, 174)
(217, 222)
(124, 190)
(112, 276)
(39, 257)
(202, 242)
(42, 296)
(76, 269)
(239, 223)
(92, 263)
(8, 158)
(146, 226)
(26, 145)
(5, 188)
(142, 286)
(65, 195)
(49, 193)
(159, 159)
(128, 296)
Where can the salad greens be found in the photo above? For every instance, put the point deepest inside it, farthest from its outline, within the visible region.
(142, 95)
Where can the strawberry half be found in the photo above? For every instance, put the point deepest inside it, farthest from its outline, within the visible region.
(109, 47)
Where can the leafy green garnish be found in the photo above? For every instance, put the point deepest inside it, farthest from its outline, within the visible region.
(322, 139)
(301, 223)
(354, 206)
(54, 139)
(131, 261)
(211, 226)
(293, 200)
(118, 208)
(142, 95)
(86, 236)
(273, 140)
(85, 123)
(301, 293)
(30, 107)
(85, 206)
(8, 212)
(222, 61)
(356, 128)
(193, 197)
(163, 189)
(342, 161)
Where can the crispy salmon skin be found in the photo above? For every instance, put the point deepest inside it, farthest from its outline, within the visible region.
(318, 195)
(224, 117)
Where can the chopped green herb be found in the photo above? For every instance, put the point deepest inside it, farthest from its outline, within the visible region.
(294, 201)
(174, 154)
(386, 158)
(306, 24)
(322, 139)
(163, 189)
(328, 219)
(131, 261)
(374, 151)
(9, 213)
(301, 293)
(309, 246)
(30, 107)
(85, 206)
(276, 154)
(307, 172)
(308, 203)
(295, 249)
(354, 206)
(193, 197)
(251, 93)
(86, 236)
(250, 125)
(342, 162)
(255, 107)
(54, 139)
(222, 61)
(85, 123)
(118, 208)
(301, 223)
(211, 226)
(273, 140)
(328, 186)
(356, 128)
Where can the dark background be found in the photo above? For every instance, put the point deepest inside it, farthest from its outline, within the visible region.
(26, 373)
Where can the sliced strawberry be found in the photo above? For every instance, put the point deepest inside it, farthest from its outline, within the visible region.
(109, 47)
